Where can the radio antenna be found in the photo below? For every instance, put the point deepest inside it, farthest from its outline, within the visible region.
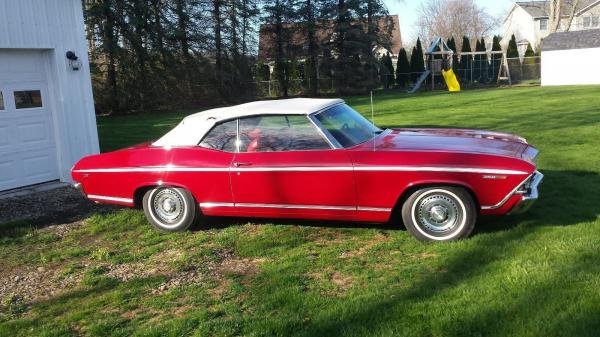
(373, 120)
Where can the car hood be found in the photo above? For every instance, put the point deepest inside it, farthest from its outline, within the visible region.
(453, 140)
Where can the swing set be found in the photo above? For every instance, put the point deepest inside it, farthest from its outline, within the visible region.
(442, 66)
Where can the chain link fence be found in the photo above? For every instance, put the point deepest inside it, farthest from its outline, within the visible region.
(475, 73)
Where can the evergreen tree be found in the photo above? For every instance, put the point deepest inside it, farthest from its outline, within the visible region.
(484, 62)
(452, 45)
(530, 64)
(496, 58)
(529, 52)
(512, 51)
(402, 69)
(466, 61)
(477, 62)
(386, 71)
(417, 62)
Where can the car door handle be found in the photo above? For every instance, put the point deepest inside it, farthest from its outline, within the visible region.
(237, 164)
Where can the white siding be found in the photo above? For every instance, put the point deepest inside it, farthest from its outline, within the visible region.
(571, 67)
(55, 27)
(522, 25)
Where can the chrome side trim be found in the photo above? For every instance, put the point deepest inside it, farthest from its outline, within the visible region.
(155, 169)
(216, 204)
(510, 194)
(374, 209)
(324, 207)
(438, 169)
(292, 206)
(306, 169)
(107, 198)
(293, 169)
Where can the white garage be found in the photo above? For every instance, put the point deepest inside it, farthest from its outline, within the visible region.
(47, 119)
(571, 58)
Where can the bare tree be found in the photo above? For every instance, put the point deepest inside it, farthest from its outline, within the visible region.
(446, 18)
(560, 9)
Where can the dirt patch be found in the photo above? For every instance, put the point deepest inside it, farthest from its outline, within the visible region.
(340, 282)
(244, 267)
(47, 208)
(343, 282)
(374, 241)
(226, 264)
(36, 283)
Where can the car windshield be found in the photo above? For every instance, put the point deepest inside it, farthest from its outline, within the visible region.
(346, 125)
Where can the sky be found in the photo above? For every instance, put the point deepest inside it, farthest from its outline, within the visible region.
(407, 11)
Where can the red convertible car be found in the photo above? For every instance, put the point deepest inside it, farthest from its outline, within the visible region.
(316, 159)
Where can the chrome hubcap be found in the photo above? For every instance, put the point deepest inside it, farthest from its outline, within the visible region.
(438, 213)
(168, 206)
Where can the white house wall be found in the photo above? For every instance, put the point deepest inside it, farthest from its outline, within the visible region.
(521, 24)
(571, 67)
(55, 27)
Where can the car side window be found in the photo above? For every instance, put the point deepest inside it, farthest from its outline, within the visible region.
(279, 133)
(221, 137)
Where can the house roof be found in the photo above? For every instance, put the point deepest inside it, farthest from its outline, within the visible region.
(193, 127)
(296, 43)
(572, 40)
(541, 9)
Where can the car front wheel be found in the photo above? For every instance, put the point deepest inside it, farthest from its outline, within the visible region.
(169, 209)
(440, 214)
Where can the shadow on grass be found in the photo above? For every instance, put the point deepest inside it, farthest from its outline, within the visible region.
(566, 198)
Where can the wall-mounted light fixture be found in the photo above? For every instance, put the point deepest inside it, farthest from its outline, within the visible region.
(74, 62)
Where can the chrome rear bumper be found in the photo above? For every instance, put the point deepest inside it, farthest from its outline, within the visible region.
(79, 188)
(531, 196)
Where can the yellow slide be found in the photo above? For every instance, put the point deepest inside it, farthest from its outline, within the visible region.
(451, 81)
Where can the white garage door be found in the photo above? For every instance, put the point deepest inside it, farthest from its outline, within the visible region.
(27, 142)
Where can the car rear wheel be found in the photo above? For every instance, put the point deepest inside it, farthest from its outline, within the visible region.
(169, 209)
(440, 214)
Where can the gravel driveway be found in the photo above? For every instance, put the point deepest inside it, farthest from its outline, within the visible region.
(44, 208)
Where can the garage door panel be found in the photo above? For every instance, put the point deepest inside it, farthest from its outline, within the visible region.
(5, 136)
(39, 165)
(9, 174)
(33, 133)
(27, 140)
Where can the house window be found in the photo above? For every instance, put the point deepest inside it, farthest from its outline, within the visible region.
(544, 24)
(1, 101)
(587, 21)
(595, 21)
(28, 99)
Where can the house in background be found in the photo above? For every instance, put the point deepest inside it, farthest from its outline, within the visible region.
(529, 21)
(47, 119)
(571, 58)
(296, 45)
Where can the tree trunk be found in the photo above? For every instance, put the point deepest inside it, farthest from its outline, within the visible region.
(280, 40)
(574, 10)
(110, 48)
(313, 81)
(182, 30)
(555, 15)
(218, 44)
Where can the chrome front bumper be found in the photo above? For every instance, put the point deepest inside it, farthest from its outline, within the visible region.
(531, 196)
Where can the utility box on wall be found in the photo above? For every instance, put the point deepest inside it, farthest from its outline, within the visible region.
(47, 119)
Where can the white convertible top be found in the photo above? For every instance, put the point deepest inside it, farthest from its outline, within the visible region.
(193, 127)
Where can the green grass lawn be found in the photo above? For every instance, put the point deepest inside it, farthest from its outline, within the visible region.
(537, 274)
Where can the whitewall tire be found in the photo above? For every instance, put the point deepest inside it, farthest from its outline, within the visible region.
(170, 209)
(440, 213)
